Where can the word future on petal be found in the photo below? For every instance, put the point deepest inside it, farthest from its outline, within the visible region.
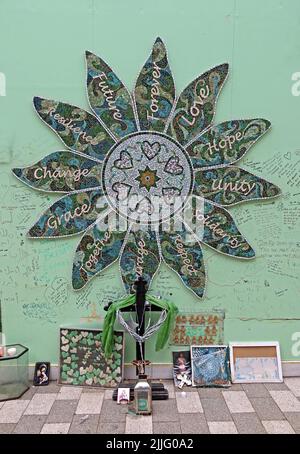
(68, 124)
(243, 186)
(195, 110)
(54, 221)
(43, 173)
(155, 92)
(225, 143)
(95, 255)
(109, 96)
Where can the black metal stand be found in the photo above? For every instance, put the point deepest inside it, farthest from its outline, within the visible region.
(141, 307)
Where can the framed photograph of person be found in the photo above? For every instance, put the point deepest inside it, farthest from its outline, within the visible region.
(182, 372)
(41, 374)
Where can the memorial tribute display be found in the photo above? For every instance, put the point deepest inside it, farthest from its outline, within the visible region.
(147, 177)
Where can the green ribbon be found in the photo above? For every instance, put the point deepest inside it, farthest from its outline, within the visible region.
(110, 319)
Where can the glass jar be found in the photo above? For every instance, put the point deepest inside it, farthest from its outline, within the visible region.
(143, 396)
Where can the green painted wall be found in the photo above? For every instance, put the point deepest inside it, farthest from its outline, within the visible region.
(42, 48)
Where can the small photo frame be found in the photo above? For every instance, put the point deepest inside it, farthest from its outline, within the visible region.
(182, 371)
(41, 374)
(255, 362)
(210, 366)
(123, 396)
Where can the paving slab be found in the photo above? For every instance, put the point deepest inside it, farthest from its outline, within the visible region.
(111, 428)
(293, 383)
(112, 412)
(31, 424)
(56, 428)
(216, 409)
(165, 410)
(193, 423)
(166, 428)
(62, 411)
(188, 402)
(238, 402)
(90, 403)
(40, 404)
(286, 401)
(84, 424)
(256, 390)
(278, 427)
(12, 411)
(138, 424)
(210, 393)
(276, 386)
(53, 387)
(222, 427)
(7, 428)
(266, 408)
(108, 394)
(294, 420)
(248, 423)
(69, 393)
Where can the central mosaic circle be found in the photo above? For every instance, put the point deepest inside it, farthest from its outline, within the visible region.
(147, 177)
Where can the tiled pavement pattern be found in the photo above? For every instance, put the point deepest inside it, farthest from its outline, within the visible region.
(242, 409)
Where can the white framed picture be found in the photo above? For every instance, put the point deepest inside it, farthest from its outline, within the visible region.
(255, 362)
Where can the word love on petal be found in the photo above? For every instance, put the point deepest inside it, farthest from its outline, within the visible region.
(196, 108)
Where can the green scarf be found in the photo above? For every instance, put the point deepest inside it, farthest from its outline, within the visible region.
(110, 319)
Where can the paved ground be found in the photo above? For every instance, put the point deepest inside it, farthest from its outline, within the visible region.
(273, 409)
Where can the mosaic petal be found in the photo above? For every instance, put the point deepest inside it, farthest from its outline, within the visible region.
(226, 142)
(70, 215)
(98, 249)
(215, 227)
(61, 171)
(109, 98)
(77, 128)
(183, 254)
(155, 90)
(231, 185)
(139, 257)
(195, 107)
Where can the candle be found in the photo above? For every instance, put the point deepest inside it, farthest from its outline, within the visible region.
(11, 351)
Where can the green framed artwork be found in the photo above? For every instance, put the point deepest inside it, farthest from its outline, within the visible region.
(82, 359)
(202, 328)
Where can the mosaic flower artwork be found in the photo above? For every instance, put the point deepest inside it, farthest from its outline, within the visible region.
(141, 165)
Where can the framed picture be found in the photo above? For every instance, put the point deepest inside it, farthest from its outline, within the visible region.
(82, 360)
(202, 328)
(182, 372)
(255, 362)
(210, 365)
(123, 396)
(41, 374)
